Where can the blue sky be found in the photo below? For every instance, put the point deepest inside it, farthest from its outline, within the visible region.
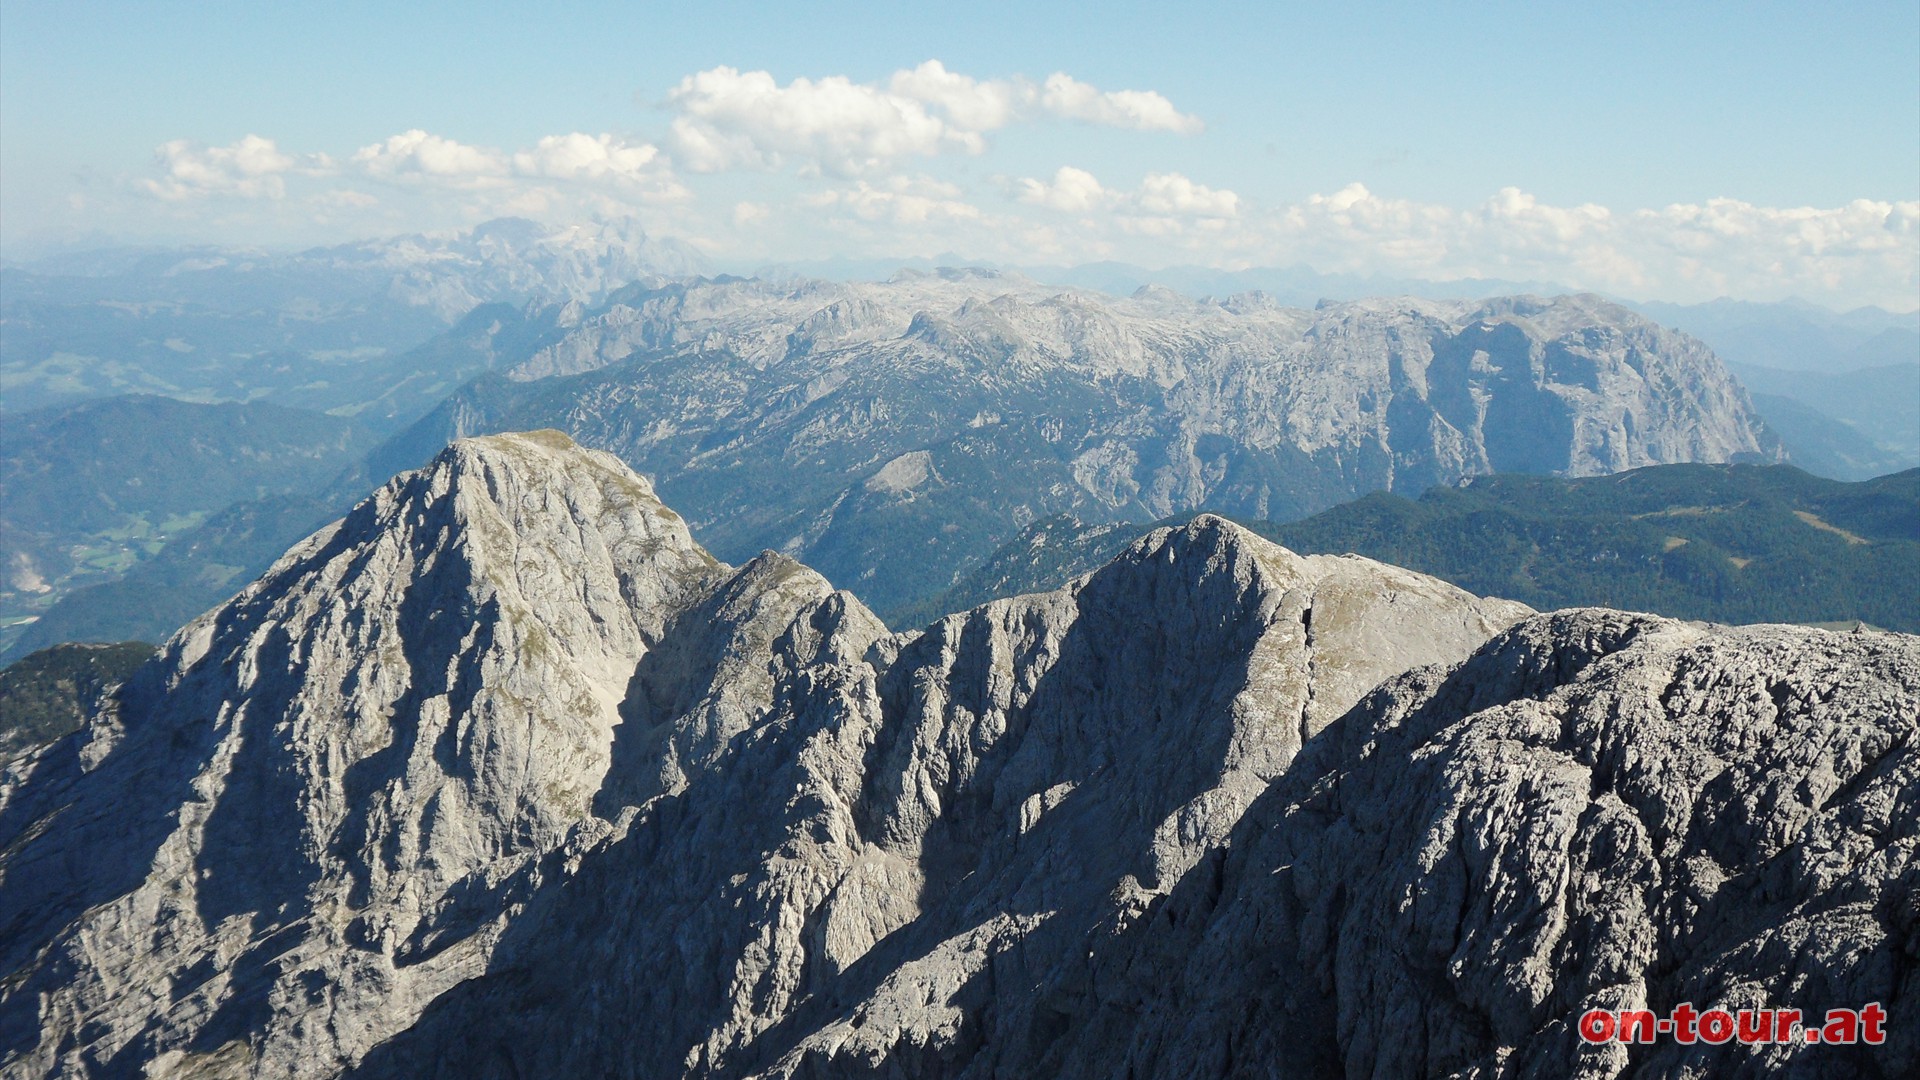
(1676, 151)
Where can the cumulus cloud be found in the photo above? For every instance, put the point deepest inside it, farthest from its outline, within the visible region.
(732, 119)
(744, 119)
(577, 156)
(420, 157)
(1866, 251)
(1141, 110)
(1171, 193)
(971, 104)
(416, 153)
(252, 168)
(1074, 191)
(638, 166)
(566, 177)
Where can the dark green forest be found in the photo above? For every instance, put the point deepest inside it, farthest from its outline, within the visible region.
(54, 691)
(1725, 543)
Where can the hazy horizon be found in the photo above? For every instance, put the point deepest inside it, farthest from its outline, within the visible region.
(1682, 156)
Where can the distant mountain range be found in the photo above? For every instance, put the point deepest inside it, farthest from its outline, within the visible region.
(1842, 390)
(1878, 406)
(93, 490)
(1723, 543)
(1733, 544)
(351, 329)
(194, 571)
(1293, 286)
(965, 448)
(225, 324)
(1796, 336)
(876, 430)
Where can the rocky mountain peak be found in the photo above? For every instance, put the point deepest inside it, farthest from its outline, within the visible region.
(503, 768)
(412, 706)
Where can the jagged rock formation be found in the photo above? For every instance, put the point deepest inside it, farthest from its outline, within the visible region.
(870, 428)
(1598, 809)
(503, 775)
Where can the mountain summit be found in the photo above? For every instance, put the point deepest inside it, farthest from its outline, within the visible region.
(502, 774)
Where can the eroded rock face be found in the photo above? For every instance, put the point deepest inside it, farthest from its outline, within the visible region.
(1598, 810)
(504, 776)
(912, 813)
(311, 811)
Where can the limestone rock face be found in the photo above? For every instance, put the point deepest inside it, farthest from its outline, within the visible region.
(908, 814)
(1598, 810)
(503, 775)
(306, 817)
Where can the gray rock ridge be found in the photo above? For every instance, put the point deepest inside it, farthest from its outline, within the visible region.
(848, 425)
(1010, 779)
(504, 775)
(1595, 809)
(510, 687)
(1598, 809)
(1612, 383)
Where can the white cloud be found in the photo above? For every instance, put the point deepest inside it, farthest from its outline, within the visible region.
(1865, 249)
(252, 168)
(1141, 110)
(577, 156)
(581, 162)
(416, 153)
(971, 104)
(1171, 193)
(732, 119)
(418, 177)
(1075, 191)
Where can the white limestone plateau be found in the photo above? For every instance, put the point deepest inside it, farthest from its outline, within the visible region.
(503, 775)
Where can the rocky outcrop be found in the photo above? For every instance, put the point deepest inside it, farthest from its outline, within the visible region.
(502, 775)
(785, 415)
